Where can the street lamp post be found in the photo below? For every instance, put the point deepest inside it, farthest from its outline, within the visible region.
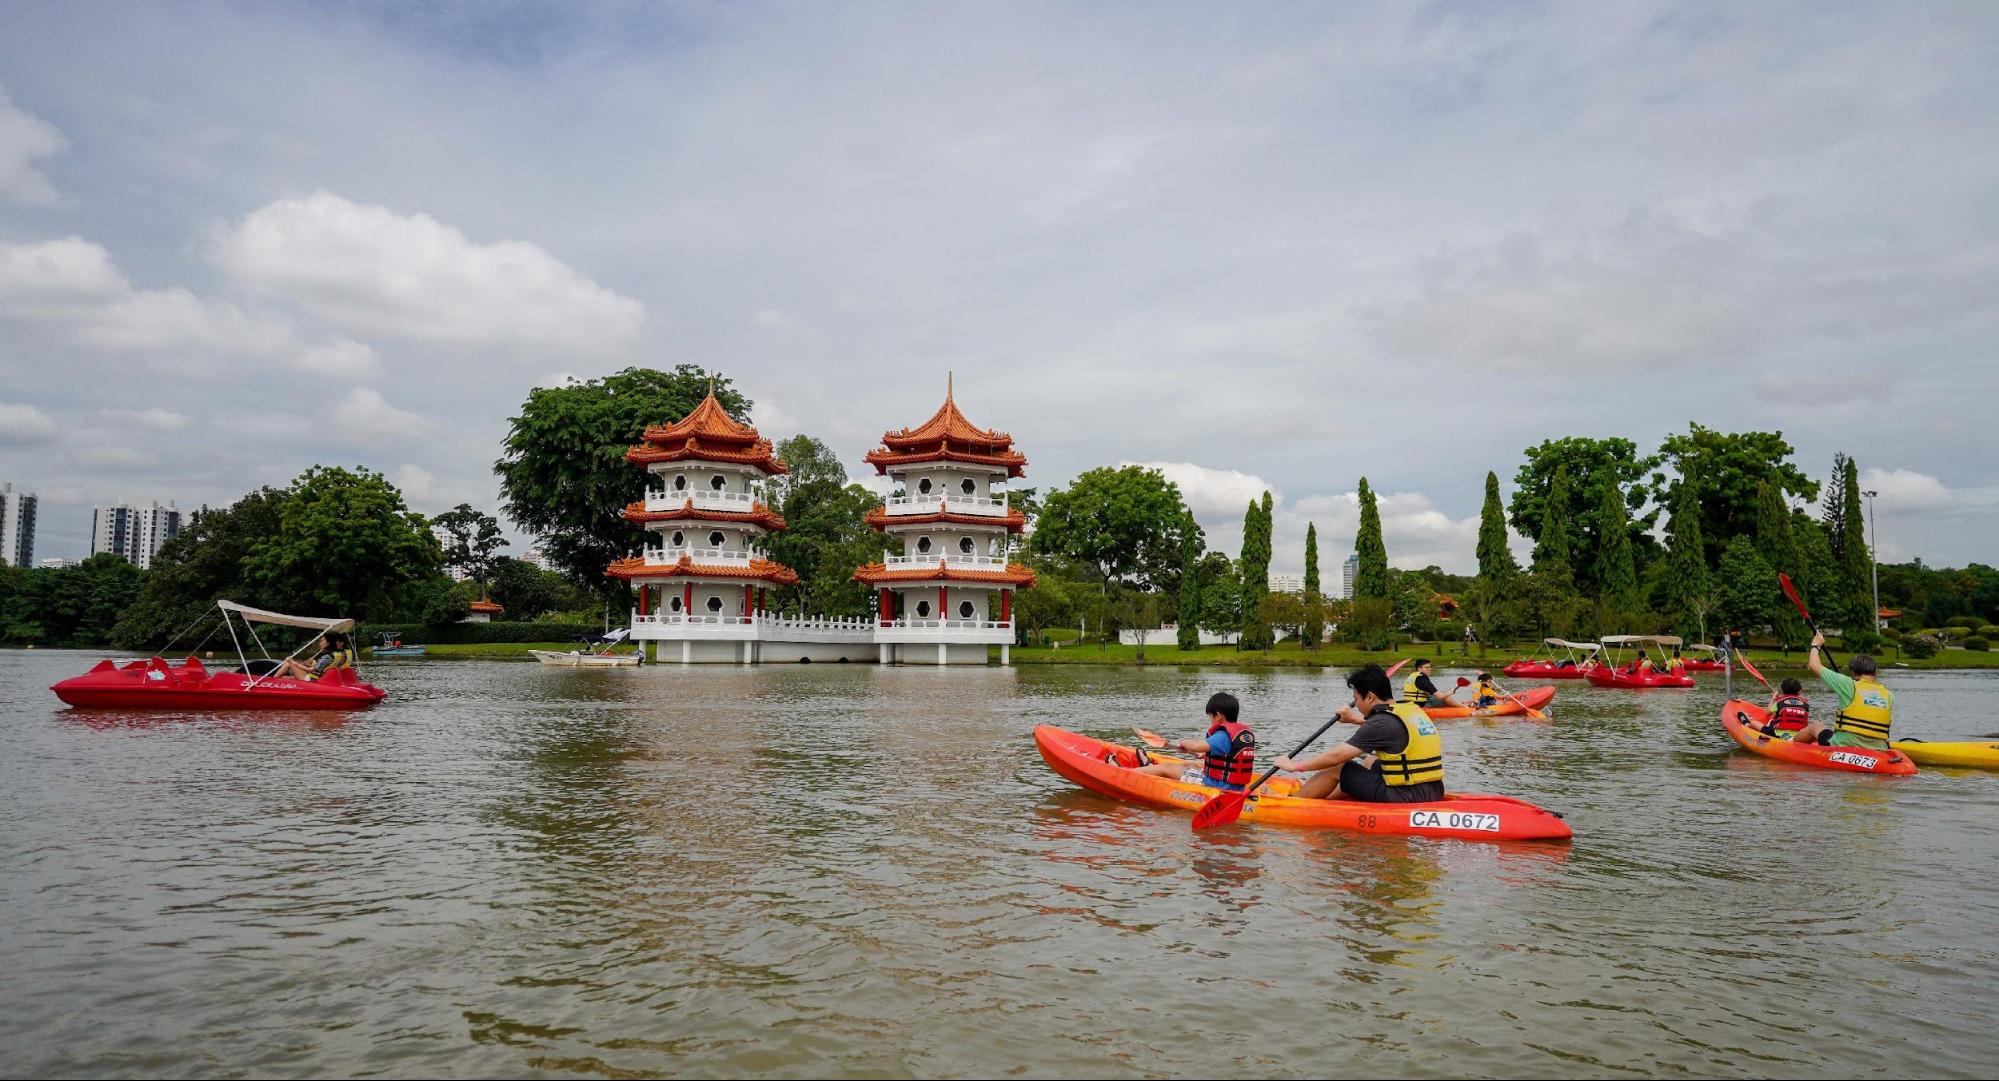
(1874, 557)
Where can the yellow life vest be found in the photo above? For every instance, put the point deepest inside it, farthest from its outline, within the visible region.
(1413, 694)
(1422, 760)
(1868, 714)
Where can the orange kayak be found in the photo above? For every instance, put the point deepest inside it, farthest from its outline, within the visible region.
(1472, 818)
(1521, 702)
(1744, 721)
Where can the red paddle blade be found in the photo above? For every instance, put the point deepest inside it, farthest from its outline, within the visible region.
(1791, 591)
(1751, 669)
(1220, 811)
(1152, 739)
(1397, 666)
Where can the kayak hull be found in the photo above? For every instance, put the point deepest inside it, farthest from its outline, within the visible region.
(156, 685)
(1080, 759)
(1520, 703)
(1544, 670)
(1890, 763)
(1605, 677)
(1973, 754)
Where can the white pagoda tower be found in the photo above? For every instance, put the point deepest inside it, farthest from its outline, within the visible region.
(949, 595)
(702, 582)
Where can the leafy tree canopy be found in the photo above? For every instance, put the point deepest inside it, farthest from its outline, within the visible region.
(1726, 469)
(1128, 523)
(1589, 464)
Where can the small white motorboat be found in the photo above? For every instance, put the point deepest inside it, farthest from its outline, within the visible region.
(601, 657)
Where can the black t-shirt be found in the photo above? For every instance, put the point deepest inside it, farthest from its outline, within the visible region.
(1423, 684)
(1383, 731)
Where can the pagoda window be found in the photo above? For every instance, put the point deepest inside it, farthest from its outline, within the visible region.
(679, 539)
(674, 604)
(680, 482)
(965, 610)
(923, 609)
(923, 544)
(714, 604)
(715, 539)
(923, 486)
(719, 482)
(967, 486)
(966, 545)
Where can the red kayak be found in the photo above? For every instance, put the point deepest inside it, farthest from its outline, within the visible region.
(155, 684)
(1546, 670)
(1611, 677)
(1465, 817)
(1743, 722)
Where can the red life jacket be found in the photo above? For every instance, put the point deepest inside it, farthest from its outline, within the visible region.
(1792, 711)
(1238, 767)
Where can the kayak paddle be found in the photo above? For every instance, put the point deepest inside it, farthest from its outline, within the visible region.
(1226, 807)
(1397, 666)
(1791, 591)
(1150, 739)
(1531, 711)
(1751, 669)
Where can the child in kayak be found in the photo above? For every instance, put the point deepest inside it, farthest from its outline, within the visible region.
(1397, 755)
(1486, 695)
(1789, 709)
(1228, 750)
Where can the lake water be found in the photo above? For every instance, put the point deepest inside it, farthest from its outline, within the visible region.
(851, 871)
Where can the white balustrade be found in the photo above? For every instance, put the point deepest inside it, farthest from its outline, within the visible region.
(935, 559)
(666, 557)
(702, 497)
(961, 504)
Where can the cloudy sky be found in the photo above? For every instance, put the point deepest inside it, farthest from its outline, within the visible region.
(1255, 245)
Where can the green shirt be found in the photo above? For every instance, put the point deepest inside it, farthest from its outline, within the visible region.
(1841, 685)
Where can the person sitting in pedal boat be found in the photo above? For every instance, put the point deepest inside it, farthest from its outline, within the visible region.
(323, 657)
(1229, 750)
(1866, 707)
(1419, 690)
(1397, 756)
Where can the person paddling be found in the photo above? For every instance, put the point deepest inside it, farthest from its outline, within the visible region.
(1866, 706)
(1789, 709)
(1420, 691)
(1397, 756)
(1229, 750)
(1486, 695)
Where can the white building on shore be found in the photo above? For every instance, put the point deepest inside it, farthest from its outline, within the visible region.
(134, 532)
(948, 595)
(17, 527)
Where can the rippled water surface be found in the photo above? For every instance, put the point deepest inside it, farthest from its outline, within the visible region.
(854, 871)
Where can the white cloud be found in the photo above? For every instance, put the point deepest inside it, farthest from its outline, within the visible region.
(159, 420)
(364, 416)
(374, 271)
(1906, 490)
(419, 485)
(342, 359)
(1416, 533)
(1213, 493)
(175, 320)
(24, 138)
(56, 278)
(24, 424)
(111, 454)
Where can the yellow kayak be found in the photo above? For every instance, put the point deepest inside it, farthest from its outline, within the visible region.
(1978, 754)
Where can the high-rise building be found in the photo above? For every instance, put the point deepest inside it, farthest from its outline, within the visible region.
(134, 532)
(1286, 582)
(17, 526)
(444, 540)
(1347, 571)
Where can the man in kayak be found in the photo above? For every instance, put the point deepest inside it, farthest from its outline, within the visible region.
(1396, 756)
(1789, 709)
(1229, 750)
(1865, 705)
(1418, 690)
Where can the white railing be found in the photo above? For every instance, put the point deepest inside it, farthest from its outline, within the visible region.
(948, 628)
(939, 558)
(683, 619)
(666, 557)
(702, 497)
(963, 504)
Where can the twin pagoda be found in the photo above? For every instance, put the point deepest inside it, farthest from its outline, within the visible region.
(704, 585)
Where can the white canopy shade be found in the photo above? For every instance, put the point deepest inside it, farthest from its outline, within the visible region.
(258, 615)
(1626, 639)
(1565, 644)
(1704, 648)
(617, 635)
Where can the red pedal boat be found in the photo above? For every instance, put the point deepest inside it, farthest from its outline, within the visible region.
(155, 684)
(1574, 661)
(1611, 674)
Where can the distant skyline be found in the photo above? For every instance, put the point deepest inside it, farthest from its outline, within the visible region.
(1255, 247)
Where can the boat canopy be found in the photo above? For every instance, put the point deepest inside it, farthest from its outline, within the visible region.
(1637, 639)
(1704, 647)
(1590, 647)
(617, 635)
(259, 615)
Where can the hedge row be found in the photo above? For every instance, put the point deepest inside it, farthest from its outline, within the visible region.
(460, 634)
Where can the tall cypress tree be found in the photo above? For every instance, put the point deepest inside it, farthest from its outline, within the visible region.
(1779, 549)
(1551, 548)
(1371, 576)
(1256, 527)
(1691, 586)
(1190, 591)
(1495, 555)
(1856, 562)
(1315, 617)
(1615, 565)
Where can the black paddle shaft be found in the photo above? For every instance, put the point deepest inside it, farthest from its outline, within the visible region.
(1309, 740)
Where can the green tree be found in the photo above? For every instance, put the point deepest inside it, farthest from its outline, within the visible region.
(1747, 585)
(1053, 602)
(1819, 573)
(1256, 549)
(1412, 601)
(1495, 551)
(1588, 464)
(1728, 468)
(1780, 551)
(471, 537)
(1221, 595)
(1370, 622)
(1313, 630)
(1127, 523)
(1190, 594)
(1856, 564)
(344, 545)
(1553, 543)
(563, 472)
(1371, 576)
(527, 592)
(827, 533)
(73, 607)
(1690, 588)
(203, 564)
(1616, 572)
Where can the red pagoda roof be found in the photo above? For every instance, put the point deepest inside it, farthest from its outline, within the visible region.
(635, 567)
(709, 434)
(948, 437)
(1013, 519)
(875, 574)
(757, 515)
(489, 607)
